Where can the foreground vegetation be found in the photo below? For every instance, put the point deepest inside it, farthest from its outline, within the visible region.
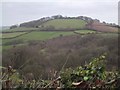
(89, 76)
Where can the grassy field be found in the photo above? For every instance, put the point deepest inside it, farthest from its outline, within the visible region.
(110, 35)
(19, 29)
(6, 47)
(65, 23)
(84, 31)
(36, 36)
(49, 35)
(43, 35)
(11, 35)
(9, 46)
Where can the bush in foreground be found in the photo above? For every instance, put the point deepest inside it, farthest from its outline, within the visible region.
(92, 75)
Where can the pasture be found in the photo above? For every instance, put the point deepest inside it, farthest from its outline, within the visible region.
(18, 29)
(65, 24)
(85, 31)
(12, 35)
(42, 35)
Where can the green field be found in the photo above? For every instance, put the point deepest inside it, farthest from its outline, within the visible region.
(8, 47)
(84, 31)
(36, 36)
(11, 35)
(19, 29)
(65, 23)
(43, 35)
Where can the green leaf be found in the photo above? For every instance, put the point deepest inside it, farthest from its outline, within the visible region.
(86, 78)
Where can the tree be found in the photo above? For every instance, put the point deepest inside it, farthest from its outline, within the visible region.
(57, 17)
(104, 22)
(13, 26)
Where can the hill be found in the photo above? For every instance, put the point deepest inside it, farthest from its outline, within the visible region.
(58, 22)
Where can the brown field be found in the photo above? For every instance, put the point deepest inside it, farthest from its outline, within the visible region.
(102, 27)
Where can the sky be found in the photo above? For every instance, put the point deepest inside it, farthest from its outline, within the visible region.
(19, 11)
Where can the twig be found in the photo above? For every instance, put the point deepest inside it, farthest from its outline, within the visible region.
(65, 62)
(52, 82)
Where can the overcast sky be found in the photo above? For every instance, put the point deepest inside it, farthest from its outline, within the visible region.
(18, 11)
